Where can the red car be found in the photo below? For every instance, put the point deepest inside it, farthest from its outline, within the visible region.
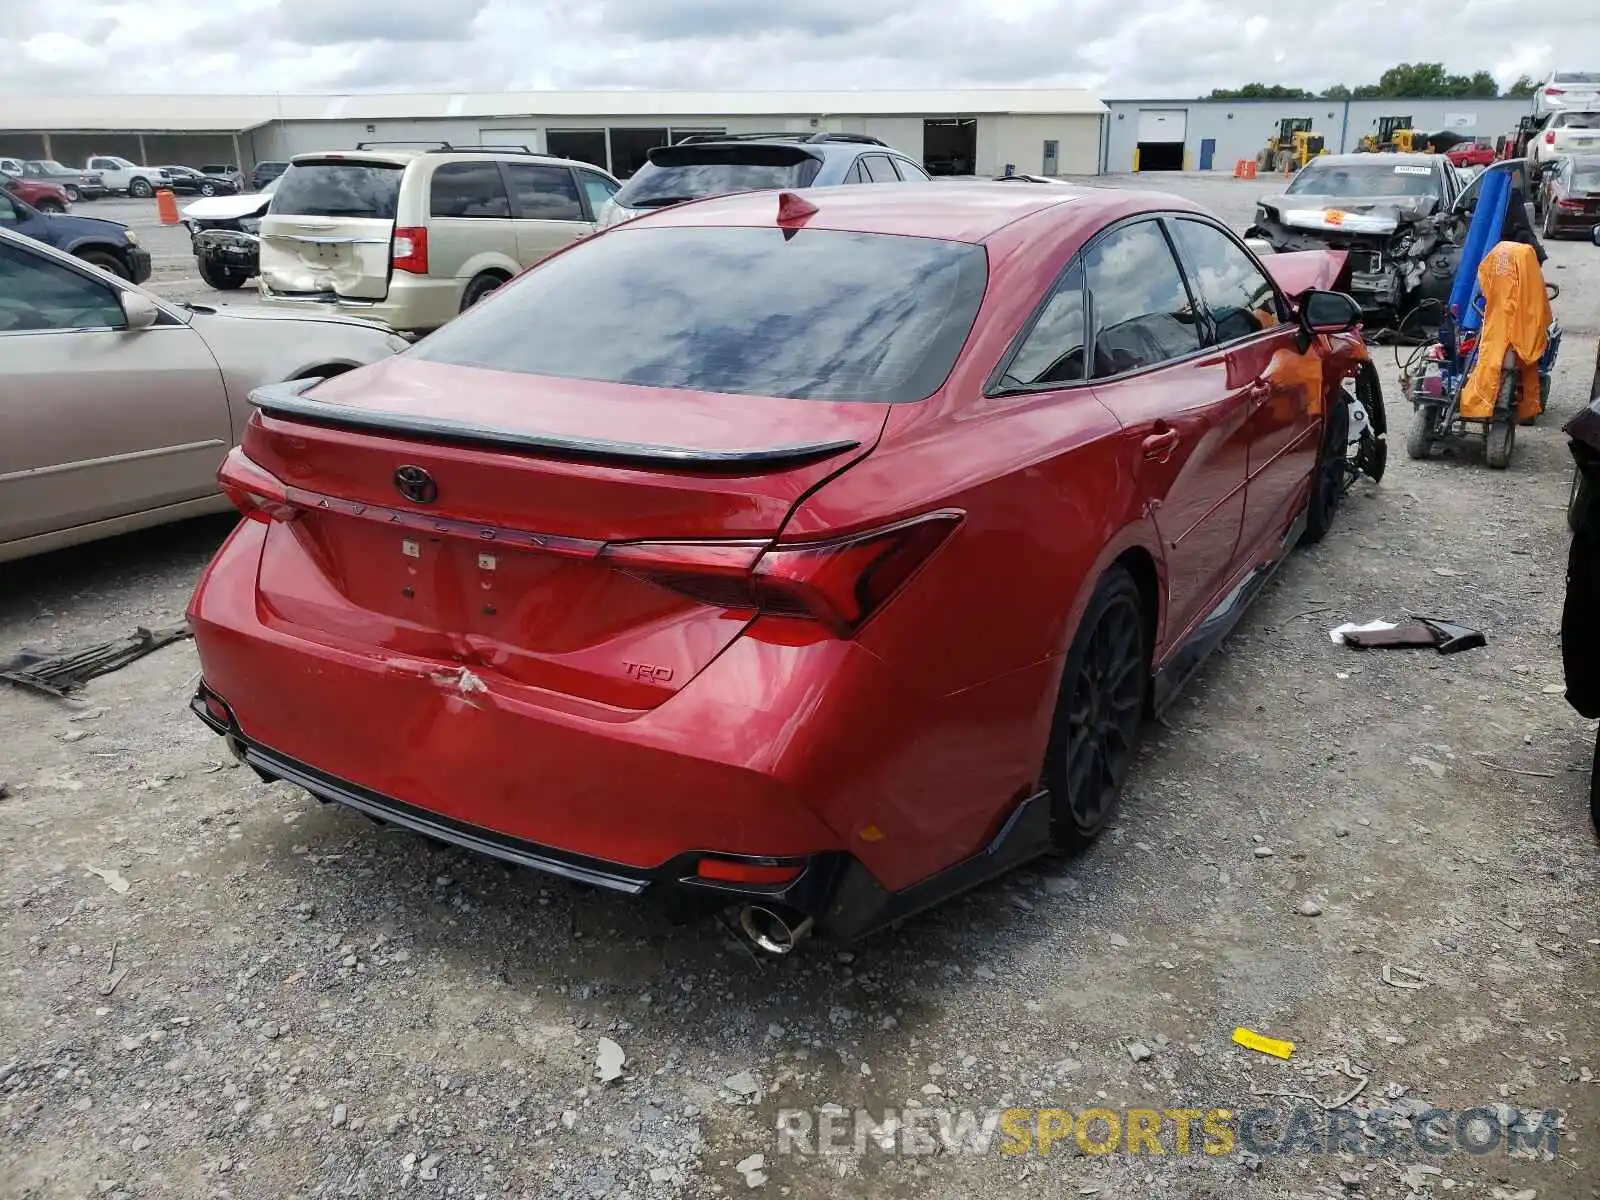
(814, 556)
(1470, 154)
(46, 197)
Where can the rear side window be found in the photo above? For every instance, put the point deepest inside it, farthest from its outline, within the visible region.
(597, 188)
(1052, 353)
(1142, 311)
(689, 172)
(544, 193)
(817, 314)
(910, 170)
(338, 189)
(879, 169)
(1239, 298)
(468, 189)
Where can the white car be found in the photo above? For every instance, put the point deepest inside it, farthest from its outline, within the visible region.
(1564, 133)
(117, 408)
(120, 175)
(1568, 90)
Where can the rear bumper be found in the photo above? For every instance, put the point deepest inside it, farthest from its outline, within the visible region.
(414, 304)
(1564, 222)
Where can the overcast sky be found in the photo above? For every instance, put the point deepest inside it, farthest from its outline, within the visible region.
(1116, 48)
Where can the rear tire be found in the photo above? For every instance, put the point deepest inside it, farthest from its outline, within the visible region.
(106, 261)
(73, 195)
(1327, 481)
(1549, 224)
(49, 206)
(140, 189)
(479, 287)
(1099, 711)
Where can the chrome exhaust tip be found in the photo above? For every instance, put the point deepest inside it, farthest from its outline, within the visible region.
(775, 932)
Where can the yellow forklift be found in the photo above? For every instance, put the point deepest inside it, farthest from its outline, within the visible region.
(1292, 146)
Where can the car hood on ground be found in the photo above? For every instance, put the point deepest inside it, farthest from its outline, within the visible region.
(227, 208)
(1359, 214)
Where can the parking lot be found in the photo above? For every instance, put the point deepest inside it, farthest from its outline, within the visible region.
(215, 987)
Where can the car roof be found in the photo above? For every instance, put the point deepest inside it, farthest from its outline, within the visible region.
(1387, 157)
(955, 211)
(402, 158)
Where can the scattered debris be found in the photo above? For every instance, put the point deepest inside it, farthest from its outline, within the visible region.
(112, 876)
(1251, 1040)
(1264, 852)
(1139, 1052)
(609, 1060)
(743, 1084)
(60, 675)
(1444, 636)
(752, 1169)
(1518, 770)
(1309, 908)
(1414, 979)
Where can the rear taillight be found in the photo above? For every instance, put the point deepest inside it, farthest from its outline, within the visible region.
(1570, 205)
(733, 870)
(1554, 91)
(411, 249)
(1549, 137)
(840, 582)
(256, 493)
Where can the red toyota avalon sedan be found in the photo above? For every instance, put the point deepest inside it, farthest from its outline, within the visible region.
(819, 557)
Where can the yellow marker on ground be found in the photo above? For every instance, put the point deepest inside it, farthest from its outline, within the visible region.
(1252, 1040)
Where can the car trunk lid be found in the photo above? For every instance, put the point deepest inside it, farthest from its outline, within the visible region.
(330, 229)
(523, 539)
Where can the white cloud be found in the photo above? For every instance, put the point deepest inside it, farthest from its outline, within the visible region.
(1118, 48)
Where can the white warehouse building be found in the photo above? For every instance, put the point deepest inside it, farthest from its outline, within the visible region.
(1053, 131)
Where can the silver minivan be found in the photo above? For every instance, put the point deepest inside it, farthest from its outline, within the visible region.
(414, 237)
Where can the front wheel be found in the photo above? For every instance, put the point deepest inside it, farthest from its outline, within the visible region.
(140, 189)
(208, 189)
(1099, 712)
(1502, 436)
(1367, 451)
(1419, 438)
(73, 194)
(1328, 480)
(49, 206)
(220, 278)
(107, 262)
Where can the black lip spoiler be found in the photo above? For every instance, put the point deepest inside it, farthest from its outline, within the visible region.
(286, 400)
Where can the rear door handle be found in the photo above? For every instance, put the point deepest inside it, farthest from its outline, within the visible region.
(1158, 447)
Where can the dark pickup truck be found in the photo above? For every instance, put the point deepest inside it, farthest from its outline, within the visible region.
(105, 244)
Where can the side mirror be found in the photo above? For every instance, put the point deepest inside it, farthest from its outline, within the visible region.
(139, 310)
(1329, 312)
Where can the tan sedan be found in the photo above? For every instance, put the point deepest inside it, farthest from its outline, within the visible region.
(116, 408)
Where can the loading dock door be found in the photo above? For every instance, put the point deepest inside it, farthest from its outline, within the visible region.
(1161, 138)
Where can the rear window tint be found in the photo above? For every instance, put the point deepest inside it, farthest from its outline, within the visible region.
(468, 189)
(1581, 120)
(817, 314)
(338, 189)
(1577, 77)
(691, 172)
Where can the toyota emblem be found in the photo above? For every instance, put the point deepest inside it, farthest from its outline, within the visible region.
(416, 485)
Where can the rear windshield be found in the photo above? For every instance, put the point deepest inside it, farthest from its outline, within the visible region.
(1580, 120)
(818, 314)
(690, 172)
(1577, 77)
(1367, 179)
(338, 189)
(1586, 177)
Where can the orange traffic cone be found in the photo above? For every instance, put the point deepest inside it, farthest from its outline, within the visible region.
(166, 207)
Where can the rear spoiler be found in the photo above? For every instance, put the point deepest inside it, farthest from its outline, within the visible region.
(288, 400)
(1302, 271)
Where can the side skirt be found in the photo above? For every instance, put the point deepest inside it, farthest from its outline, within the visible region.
(1209, 634)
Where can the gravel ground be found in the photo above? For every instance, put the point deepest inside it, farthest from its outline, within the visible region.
(214, 987)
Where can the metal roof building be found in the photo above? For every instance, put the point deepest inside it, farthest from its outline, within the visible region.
(1049, 131)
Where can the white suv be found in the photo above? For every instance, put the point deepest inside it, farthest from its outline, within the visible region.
(1566, 133)
(413, 238)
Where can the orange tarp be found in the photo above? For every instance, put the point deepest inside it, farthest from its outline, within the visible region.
(1517, 318)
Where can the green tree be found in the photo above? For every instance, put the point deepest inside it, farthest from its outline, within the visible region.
(1522, 89)
(1337, 92)
(1261, 91)
(1402, 81)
